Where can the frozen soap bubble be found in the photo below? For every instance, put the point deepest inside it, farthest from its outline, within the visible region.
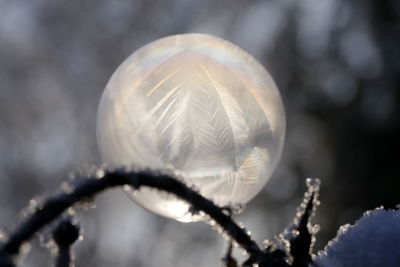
(198, 105)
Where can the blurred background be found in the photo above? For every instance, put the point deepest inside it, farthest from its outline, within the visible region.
(336, 62)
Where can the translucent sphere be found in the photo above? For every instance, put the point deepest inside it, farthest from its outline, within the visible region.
(200, 106)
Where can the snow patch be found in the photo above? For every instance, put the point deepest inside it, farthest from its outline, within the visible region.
(374, 240)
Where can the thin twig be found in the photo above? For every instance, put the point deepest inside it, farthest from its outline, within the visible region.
(301, 243)
(64, 236)
(228, 260)
(56, 205)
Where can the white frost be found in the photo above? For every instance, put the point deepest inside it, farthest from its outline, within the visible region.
(374, 240)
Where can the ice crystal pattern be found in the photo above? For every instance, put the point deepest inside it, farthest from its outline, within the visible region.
(199, 106)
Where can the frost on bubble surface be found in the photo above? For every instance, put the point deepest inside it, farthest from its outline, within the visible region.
(374, 240)
(197, 105)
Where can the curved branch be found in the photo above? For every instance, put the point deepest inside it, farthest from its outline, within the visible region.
(56, 205)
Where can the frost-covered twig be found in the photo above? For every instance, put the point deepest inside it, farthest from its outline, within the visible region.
(293, 247)
(300, 245)
(302, 235)
(88, 188)
(65, 234)
(228, 260)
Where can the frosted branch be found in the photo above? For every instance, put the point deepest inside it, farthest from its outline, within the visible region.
(87, 188)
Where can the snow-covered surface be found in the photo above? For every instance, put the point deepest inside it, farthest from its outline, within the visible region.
(374, 240)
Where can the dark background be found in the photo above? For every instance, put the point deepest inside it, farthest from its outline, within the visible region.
(336, 63)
